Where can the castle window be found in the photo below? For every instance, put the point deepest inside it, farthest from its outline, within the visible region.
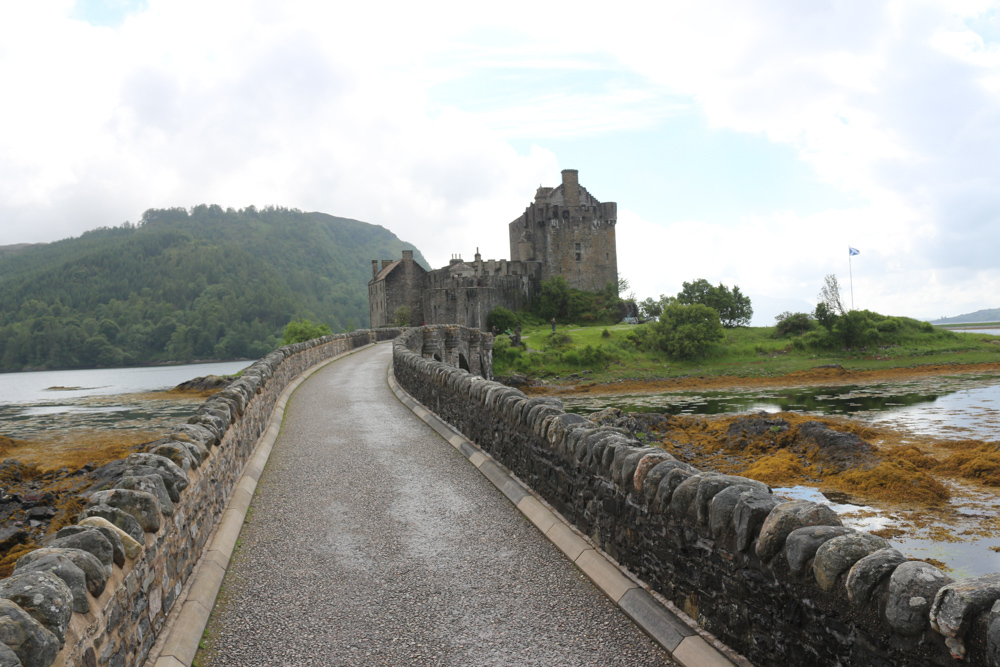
(565, 215)
(579, 252)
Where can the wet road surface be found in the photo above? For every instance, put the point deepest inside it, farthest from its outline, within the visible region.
(372, 541)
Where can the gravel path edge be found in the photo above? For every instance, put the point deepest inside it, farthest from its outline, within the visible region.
(182, 632)
(688, 643)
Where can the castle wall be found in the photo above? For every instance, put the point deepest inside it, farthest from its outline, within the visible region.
(469, 300)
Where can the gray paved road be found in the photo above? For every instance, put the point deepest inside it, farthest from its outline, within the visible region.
(371, 541)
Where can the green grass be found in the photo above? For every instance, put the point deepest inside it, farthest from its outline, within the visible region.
(747, 352)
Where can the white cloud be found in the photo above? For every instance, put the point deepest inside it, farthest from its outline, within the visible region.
(330, 106)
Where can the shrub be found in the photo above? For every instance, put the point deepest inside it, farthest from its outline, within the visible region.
(605, 334)
(792, 324)
(687, 331)
(558, 341)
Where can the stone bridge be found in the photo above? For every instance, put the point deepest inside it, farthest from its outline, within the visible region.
(323, 511)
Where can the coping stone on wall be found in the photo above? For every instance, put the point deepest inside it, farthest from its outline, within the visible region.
(691, 646)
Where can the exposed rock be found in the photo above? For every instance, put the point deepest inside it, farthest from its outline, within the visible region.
(144, 507)
(93, 570)
(116, 517)
(150, 484)
(785, 518)
(11, 536)
(754, 426)
(843, 450)
(206, 383)
(869, 572)
(34, 645)
(802, 543)
(836, 556)
(131, 548)
(44, 596)
(64, 568)
(958, 602)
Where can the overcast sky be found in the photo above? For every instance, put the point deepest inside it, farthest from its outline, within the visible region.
(747, 142)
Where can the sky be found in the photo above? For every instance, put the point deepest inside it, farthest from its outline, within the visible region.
(748, 142)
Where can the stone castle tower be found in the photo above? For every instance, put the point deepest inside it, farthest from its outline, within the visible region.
(570, 234)
(564, 232)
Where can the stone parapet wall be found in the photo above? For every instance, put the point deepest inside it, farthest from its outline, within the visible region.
(782, 582)
(188, 476)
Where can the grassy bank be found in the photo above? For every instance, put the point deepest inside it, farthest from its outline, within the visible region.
(608, 354)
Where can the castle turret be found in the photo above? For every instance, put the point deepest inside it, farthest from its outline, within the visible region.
(570, 234)
(571, 187)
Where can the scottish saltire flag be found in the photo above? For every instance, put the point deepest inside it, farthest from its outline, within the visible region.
(853, 251)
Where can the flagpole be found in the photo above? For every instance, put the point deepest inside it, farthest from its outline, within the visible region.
(850, 271)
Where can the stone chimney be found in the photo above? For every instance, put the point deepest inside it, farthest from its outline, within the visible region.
(571, 187)
(386, 262)
(374, 268)
(407, 255)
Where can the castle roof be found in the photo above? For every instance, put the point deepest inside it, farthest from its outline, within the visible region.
(386, 270)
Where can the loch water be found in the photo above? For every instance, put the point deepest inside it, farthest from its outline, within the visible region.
(39, 402)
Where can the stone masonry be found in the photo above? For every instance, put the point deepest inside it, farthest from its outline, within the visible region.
(782, 582)
(564, 232)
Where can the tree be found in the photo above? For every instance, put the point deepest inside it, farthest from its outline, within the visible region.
(503, 319)
(829, 295)
(733, 307)
(687, 331)
(299, 331)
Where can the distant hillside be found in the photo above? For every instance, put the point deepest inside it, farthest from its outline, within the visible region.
(180, 286)
(988, 315)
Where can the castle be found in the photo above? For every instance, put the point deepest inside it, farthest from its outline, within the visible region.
(564, 232)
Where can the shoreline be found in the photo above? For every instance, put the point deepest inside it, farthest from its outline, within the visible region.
(819, 376)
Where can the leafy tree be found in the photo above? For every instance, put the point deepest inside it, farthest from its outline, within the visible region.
(299, 331)
(554, 299)
(503, 319)
(686, 331)
(733, 307)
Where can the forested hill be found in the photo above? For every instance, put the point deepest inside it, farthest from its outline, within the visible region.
(988, 315)
(181, 286)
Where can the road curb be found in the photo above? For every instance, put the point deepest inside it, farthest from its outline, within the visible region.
(680, 636)
(178, 643)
